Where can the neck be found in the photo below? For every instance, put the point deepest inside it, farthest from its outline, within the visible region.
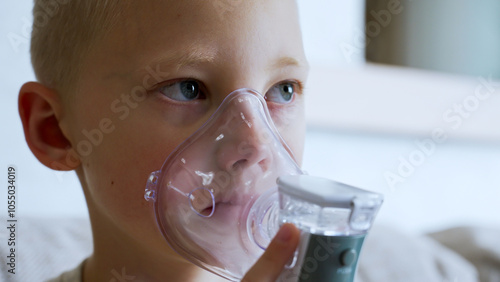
(119, 257)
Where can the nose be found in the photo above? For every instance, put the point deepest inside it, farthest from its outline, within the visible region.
(248, 138)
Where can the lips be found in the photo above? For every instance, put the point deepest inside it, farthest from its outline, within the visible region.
(220, 207)
(224, 188)
(206, 201)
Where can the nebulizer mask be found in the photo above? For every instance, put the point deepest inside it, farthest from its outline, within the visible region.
(216, 198)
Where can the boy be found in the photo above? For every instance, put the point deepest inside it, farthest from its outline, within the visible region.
(122, 83)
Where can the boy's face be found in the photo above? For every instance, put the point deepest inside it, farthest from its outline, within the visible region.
(156, 77)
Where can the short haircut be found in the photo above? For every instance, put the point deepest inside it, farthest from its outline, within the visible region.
(64, 32)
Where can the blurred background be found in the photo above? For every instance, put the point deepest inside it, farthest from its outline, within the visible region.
(403, 99)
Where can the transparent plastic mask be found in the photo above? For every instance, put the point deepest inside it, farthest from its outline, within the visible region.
(205, 189)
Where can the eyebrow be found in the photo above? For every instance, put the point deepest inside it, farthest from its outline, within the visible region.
(284, 62)
(192, 57)
(198, 56)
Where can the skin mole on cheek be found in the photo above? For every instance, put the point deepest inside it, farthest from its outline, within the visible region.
(112, 182)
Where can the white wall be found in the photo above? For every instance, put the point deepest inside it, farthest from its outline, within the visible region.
(327, 26)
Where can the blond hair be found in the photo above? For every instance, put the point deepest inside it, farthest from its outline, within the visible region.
(64, 32)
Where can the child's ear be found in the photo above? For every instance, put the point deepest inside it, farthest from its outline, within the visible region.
(39, 108)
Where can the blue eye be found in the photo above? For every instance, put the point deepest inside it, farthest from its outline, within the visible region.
(281, 93)
(186, 90)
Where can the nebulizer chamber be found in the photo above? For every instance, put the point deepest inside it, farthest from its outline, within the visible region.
(333, 217)
(217, 202)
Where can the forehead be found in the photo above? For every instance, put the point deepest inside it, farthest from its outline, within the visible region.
(150, 31)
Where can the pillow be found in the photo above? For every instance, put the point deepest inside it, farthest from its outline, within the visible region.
(479, 245)
(393, 256)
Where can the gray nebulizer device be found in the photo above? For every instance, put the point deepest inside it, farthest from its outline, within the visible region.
(333, 217)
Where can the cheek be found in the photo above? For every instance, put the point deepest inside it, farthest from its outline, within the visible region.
(291, 126)
(116, 172)
(116, 175)
(294, 137)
